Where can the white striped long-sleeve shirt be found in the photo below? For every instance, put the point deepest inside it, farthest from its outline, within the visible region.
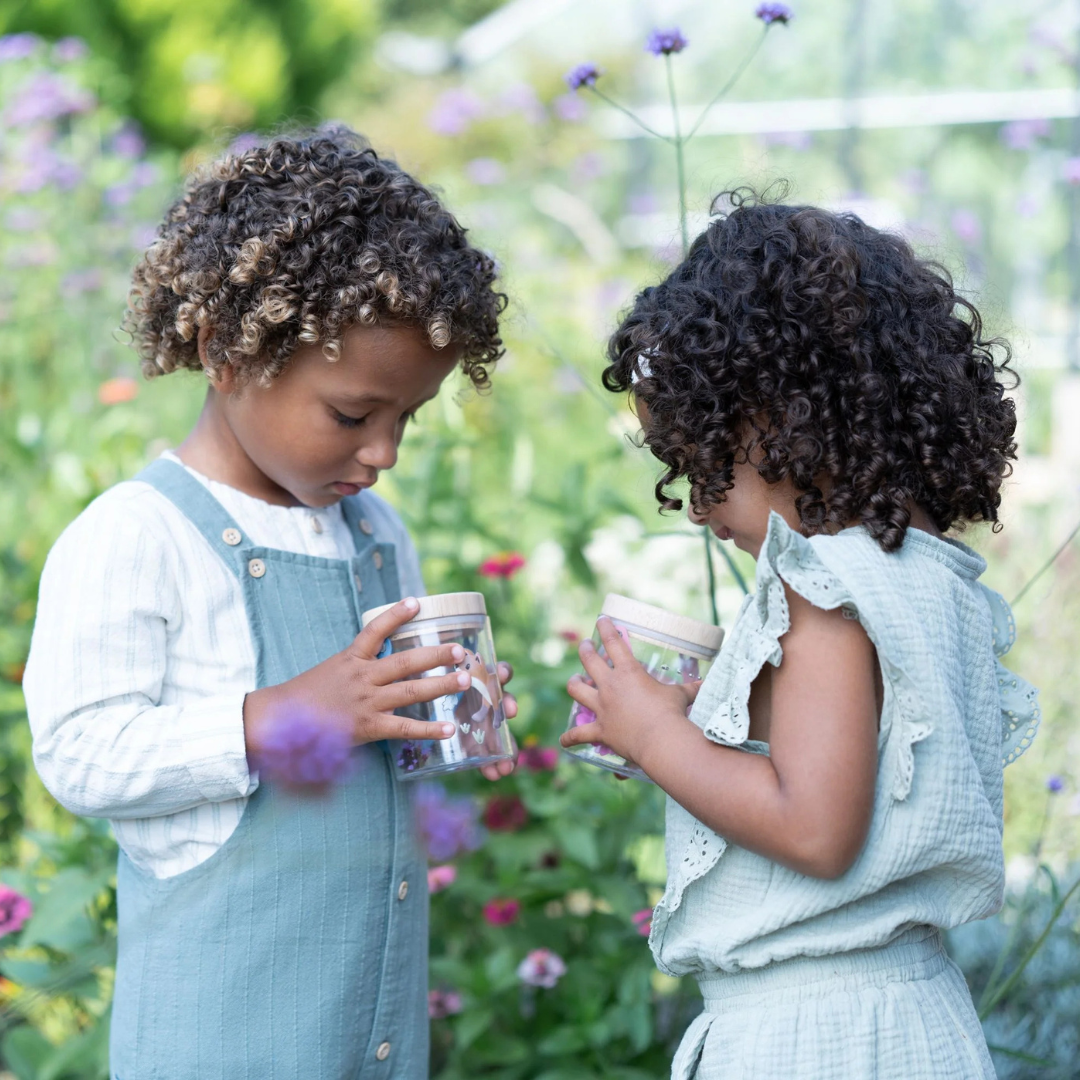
(141, 657)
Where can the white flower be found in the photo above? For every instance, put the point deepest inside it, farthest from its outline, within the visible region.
(541, 967)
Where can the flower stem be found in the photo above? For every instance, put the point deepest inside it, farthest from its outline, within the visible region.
(711, 571)
(680, 165)
(1011, 981)
(626, 112)
(1045, 566)
(729, 84)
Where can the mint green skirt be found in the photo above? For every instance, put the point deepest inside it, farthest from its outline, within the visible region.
(900, 1012)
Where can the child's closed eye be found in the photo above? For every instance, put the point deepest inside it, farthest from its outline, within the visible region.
(347, 421)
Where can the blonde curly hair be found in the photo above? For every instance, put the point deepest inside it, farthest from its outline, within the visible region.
(294, 242)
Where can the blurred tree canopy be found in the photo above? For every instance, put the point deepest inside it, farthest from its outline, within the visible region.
(191, 67)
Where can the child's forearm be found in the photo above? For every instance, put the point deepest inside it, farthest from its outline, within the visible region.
(743, 797)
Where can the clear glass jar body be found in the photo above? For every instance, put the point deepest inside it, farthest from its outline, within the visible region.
(481, 734)
(666, 659)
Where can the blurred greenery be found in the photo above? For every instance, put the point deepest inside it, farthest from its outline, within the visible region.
(541, 466)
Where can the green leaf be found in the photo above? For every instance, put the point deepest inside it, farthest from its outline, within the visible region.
(25, 1051)
(60, 920)
(578, 841)
(563, 1040)
(471, 1025)
(85, 1056)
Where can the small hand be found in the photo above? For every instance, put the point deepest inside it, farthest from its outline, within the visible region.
(626, 700)
(510, 708)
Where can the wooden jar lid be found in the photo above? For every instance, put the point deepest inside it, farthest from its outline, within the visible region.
(440, 606)
(704, 636)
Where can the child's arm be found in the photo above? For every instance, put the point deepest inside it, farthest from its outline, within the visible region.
(808, 804)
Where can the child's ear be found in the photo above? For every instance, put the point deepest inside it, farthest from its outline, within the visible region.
(224, 380)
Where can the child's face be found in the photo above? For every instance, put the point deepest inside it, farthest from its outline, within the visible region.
(743, 516)
(325, 429)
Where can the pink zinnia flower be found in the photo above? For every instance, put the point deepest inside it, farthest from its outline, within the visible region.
(443, 1003)
(441, 877)
(541, 967)
(15, 909)
(643, 921)
(502, 912)
(539, 758)
(117, 391)
(505, 564)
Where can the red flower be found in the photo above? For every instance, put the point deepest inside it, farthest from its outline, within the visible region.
(539, 758)
(570, 635)
(643, 921)
(502, 912)
(505, 813)
(505, 564)
(117, 391)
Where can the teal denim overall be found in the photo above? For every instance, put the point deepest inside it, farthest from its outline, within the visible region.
(299, 948)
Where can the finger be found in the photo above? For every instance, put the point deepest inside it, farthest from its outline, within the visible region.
(389, 726)
(412, 662)
(415, 691)
(497, 770)
(580, 736)
(369, 642)
(583, 693)
(510, 706)
(614, 643)
(596, 667)
(691, 689)
(506, 672)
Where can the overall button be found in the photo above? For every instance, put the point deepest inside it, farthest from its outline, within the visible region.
(256, 568)
(359, 583)
(366, 527)
(403, 890)
(383, 1052)
(231, 537)
(377, 560)
(316, 525)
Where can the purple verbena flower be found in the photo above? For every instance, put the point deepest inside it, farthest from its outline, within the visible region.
(570, 108)
(1070, 170)
(1054, 784)
(18, 46)
(443, 1003)
(542, 968)
(666, 42)
(448, 825)
(774, 13)
(245, 141)
(582, 75)
(69, 49)
(967, 226)
(1024, 134)
(485, 171)
(304, 750)
(454, 111)
(46, 97)
(128, 141)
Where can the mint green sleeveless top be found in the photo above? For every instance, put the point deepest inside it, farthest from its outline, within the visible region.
(952, 717)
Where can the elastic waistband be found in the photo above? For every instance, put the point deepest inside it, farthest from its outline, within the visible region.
(916, 953)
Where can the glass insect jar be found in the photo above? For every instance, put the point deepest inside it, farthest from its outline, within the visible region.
(481, 734)
(672, 648)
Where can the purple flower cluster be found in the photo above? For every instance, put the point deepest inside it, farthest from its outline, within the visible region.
(38, 164)
(1054, 784)
(443, 1003)
(1024, 134)
(304, 750)
(68, 50)
(18, 46)
(774, 13)
(582, 75)
(454, 111)
(44, 98)
(666, 42)
(448, 825)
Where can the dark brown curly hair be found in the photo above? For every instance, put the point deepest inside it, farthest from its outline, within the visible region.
(296, 241)
(817, 346)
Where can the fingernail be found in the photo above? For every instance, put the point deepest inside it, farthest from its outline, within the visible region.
(458, 653)
(587, 646)
(411, 603)
(463, 680)
(448, 729)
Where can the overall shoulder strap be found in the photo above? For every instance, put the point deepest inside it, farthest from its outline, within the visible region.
(196, 503)
(359, 525)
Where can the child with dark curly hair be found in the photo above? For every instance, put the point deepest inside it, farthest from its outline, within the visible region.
(836, 793)
(205, 616)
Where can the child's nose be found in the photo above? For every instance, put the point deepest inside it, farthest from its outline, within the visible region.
(381, 454)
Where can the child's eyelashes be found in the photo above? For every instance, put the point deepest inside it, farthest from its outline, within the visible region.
(348, 421)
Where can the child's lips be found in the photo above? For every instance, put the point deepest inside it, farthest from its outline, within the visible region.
(722, 532)
(348, 489)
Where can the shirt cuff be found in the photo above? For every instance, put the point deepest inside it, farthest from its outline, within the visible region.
(216, 750)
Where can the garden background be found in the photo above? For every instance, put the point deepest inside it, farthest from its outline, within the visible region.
(953, 120)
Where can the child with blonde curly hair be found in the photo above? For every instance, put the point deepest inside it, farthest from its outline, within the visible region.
(205, 616)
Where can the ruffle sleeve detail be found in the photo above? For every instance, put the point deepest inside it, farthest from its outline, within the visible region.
(1020, 709)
